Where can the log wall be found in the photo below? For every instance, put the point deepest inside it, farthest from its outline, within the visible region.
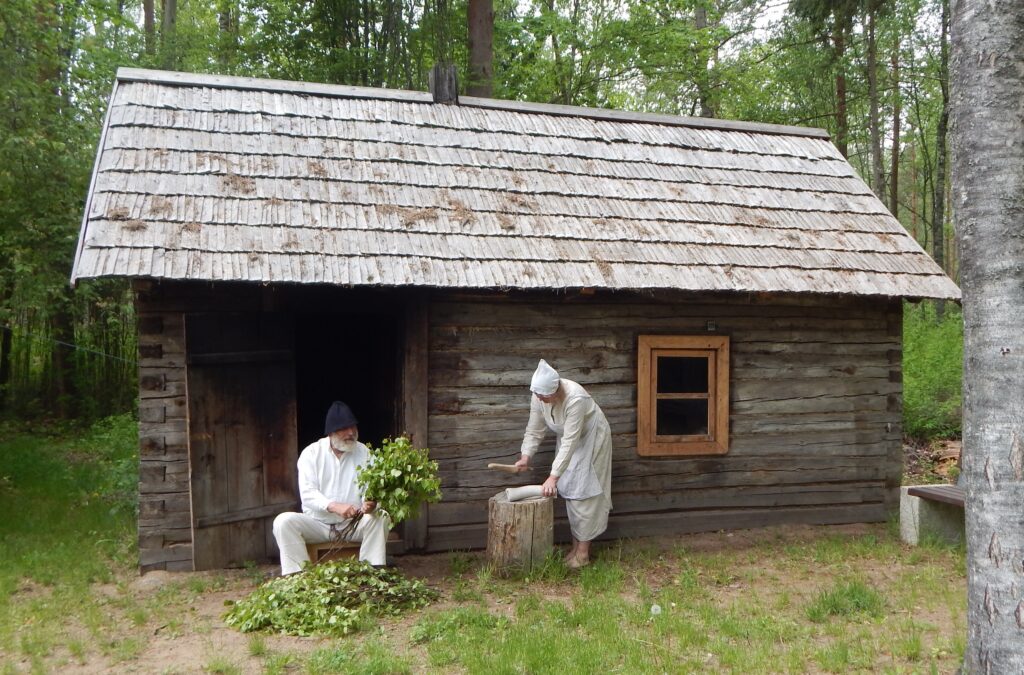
(165, 518)
(815, 407)
(815, 404)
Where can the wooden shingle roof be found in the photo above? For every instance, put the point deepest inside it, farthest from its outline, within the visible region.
(216, 178)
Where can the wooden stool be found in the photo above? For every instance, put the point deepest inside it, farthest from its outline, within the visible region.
(331, 550)
(519, 534)
(340, 550)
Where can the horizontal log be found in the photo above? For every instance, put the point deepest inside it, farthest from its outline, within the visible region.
(540, 313)
(470, 486)
(620, 399)
(780, 301)
(170, 374)
(164, 361)
(520, 377)
(169, 390)
(706, 521)
(179, 552)
(161, 410)
(803, 430)
(807, 423)
(170, 343)
(474, 512)
(156, 541)
(469, 537)
(149, 484)
(175, 426)
(851, 404)
(153, 507)
(625, 459)
(166, 521)
(757, 468)
(156, 444)
(162, 536)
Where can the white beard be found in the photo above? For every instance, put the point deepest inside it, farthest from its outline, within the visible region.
(339, 444)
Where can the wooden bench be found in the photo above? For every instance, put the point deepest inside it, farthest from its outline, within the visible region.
(932, 511)
(341, 550)
(947, 494)
(331, 550)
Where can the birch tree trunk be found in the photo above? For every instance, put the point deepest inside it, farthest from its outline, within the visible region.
(842, 121)
(987, 145)
(939, 194)
(874, 117)
(897, 112)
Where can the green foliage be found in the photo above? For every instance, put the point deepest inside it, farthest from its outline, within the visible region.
(932, 372)
(400, 478)
(59, 60)
(333, 598)
(846, 599)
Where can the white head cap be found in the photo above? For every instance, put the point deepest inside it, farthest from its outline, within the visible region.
(545, 379)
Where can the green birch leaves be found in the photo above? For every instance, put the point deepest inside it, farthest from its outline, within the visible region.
(400, 478)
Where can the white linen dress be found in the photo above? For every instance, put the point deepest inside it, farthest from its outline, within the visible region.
(583, 461)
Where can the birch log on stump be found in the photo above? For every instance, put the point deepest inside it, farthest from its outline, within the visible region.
(519, 534)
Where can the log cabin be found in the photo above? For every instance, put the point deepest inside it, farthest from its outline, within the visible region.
(730, 293)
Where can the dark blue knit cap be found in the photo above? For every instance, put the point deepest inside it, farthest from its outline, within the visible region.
(339, 417)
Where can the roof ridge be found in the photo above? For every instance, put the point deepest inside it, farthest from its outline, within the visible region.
(181, 79)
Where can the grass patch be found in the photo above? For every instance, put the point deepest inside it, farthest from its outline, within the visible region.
(74, 528)
(846, 599)
(371, 658)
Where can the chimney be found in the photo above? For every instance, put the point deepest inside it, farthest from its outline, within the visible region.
(444, 83)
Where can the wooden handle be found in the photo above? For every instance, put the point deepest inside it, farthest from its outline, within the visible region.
(507, 468)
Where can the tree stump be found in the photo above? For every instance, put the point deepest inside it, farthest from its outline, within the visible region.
(519, 534)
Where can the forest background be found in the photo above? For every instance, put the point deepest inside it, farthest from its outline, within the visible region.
(874, 73)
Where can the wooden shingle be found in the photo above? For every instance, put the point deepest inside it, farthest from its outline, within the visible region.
(222, 179)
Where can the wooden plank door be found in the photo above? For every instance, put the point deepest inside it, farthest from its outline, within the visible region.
(242, 435)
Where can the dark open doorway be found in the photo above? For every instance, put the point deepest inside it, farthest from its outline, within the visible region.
(350, 357)
(354, 358)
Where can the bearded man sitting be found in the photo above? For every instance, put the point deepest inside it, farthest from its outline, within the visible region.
(333, 505)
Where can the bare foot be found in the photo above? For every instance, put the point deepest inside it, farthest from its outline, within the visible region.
(574, 562)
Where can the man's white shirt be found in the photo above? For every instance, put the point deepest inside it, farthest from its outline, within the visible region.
(325, 478)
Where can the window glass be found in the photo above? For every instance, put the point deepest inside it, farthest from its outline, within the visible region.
(682, 417)
(682, 375)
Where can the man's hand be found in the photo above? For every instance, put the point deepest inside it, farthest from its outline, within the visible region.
(369, 506)
(523, 464)
(343, 510)
(549, 489)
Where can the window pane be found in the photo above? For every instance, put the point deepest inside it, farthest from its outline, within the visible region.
(682, 375)
(682, 417)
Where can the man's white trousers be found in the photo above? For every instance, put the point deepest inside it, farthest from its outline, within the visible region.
(294, 530)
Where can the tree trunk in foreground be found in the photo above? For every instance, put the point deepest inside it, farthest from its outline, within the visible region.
(480, 15)
(988, 205)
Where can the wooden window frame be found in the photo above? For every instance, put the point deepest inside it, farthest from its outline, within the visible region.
(716, 349)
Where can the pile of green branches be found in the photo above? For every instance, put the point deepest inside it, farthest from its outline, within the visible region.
(333, 598)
